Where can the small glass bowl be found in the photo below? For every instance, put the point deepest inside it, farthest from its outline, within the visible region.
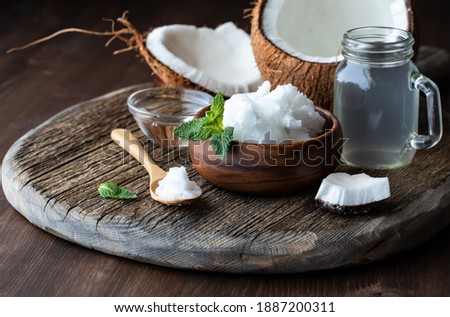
(158, 111)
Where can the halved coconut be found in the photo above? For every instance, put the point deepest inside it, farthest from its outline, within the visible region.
(215, 60)
(298, 41)
(344, 193)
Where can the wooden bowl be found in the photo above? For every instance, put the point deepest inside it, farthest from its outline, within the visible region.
(271, 168)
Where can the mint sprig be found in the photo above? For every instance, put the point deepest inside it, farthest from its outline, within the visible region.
(210, 126)
(113, 191)
(214, 116)
(220, 142)
(193, 130)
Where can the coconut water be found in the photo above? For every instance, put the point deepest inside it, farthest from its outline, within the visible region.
(378, 110)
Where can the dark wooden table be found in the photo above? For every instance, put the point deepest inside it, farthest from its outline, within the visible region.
(41, 81)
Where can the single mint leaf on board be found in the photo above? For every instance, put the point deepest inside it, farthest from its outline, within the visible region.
(220, 142)
(193, 130)
(126, 194)
(113, 191)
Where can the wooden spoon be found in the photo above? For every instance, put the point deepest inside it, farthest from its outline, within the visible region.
(126, 140)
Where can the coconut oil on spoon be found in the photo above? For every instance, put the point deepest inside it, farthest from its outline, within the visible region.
(177, 190)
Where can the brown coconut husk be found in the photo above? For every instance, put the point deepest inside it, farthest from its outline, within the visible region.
(314, 79)
(135, 41)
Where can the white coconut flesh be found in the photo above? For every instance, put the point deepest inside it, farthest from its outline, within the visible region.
(312, 30)
(342, 189)
(220, 60)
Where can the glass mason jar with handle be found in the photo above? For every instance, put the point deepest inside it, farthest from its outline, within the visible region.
(376, 99)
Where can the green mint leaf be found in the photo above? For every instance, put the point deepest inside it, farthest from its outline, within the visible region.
(214, 116)
(217, 106)
(193, 130)
(220, 142)
(113, 191)
(209, 126)
(213, 128)
(126, 194)
(107, 190)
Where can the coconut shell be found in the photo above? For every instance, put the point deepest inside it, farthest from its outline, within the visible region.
(169, 77)
(313, 79)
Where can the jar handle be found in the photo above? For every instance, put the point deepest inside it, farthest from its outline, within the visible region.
(434, 112)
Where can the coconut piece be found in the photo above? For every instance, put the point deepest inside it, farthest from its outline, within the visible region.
(218, 59)
(298, 41)
(344, 193)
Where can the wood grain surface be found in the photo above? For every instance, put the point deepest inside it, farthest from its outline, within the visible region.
(40, 82)
(51, 176)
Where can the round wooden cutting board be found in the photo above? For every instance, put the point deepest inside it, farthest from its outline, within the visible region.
(51, 176)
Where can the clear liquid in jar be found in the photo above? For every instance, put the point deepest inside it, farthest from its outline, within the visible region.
(378, 111)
